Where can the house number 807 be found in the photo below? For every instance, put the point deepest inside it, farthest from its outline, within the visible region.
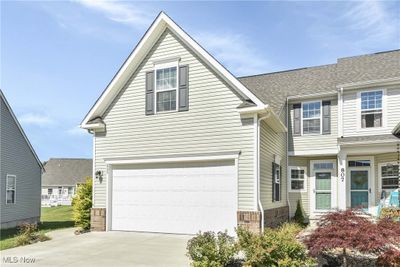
(342, 174)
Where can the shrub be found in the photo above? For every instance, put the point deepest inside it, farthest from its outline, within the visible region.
(298, 215)
(276, 247)
(211, 250)
(390, 212)
(389, 258)
(29, 234)
(81, 204)
(347, 230)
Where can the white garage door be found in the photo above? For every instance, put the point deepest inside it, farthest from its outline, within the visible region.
(175, 198)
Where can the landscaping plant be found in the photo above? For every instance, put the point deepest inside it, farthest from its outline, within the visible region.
(81, 205)
(348, 231)
(391, 212)
(298, 215)
(29, 234)
(211, 250)
(275, 247)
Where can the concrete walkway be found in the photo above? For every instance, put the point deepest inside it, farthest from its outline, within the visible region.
(101, 249)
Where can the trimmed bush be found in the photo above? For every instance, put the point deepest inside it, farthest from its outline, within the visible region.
(298, 215)
(81, 204)
(276, 247)
(211, 250)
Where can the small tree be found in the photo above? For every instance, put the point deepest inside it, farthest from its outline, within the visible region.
(299, 216)
(82, 203)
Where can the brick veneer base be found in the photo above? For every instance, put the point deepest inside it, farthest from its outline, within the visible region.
(275, 217)
(98, 219)
(250, 219)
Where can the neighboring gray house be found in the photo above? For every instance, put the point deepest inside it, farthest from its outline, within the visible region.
(181, 145)
(20, 172)
(61, 178)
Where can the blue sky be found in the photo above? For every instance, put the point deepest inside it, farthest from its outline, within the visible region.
(57, 57)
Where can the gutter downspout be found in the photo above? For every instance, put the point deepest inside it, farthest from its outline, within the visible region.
(287, 156)
(260, 207)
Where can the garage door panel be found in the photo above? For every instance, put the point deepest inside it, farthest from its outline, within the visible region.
(178, 199)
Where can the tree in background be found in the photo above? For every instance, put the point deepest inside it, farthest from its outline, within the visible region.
(82, 203)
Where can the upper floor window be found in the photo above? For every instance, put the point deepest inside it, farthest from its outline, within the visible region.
(166, 89)
(371, 109)
(312, 117)
(11, 182)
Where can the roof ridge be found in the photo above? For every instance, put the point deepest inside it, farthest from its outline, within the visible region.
(371, 54)
(289, 70)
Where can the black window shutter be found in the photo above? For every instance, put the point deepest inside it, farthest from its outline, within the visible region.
(273, 181)
(296, 119)
(150, 93)
(326, 117)
(183, 88)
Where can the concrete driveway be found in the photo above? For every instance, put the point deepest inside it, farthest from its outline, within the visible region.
(101, 249)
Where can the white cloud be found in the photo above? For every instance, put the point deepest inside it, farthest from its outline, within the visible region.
(372, 20)
(362, 26)
(234, 52)
(77, 131)
(36, 119)
(119, 12)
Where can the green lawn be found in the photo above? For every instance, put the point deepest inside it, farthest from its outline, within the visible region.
(52, 218)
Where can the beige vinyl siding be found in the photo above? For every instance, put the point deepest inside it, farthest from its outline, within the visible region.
(351, 112)
(382, 158)
(212, 123)
(16, 158)
(271, 144)
(304, 197)
(315, 142)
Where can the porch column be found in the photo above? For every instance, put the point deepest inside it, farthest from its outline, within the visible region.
(341, 187)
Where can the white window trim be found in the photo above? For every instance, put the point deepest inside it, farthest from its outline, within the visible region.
(380, 165)
(165, 65)
(290, 168)
(320, 117)
(384, 125)
(15, 188)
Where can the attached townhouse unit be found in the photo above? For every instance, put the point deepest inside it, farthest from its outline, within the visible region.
(20, 170)
(181, 145)
(62, 176)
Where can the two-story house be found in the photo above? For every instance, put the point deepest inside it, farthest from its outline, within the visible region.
(182, 145)
(341, 150)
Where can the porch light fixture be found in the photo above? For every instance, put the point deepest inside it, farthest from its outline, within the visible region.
(99, 175)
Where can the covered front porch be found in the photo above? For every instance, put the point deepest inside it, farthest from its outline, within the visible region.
(367, 174)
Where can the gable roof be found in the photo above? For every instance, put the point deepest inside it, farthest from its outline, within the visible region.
(3, 97)
(140, 51)
(66, 172)
(275, 88)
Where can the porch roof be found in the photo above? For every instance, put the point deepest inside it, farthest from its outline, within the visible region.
(384, 138)
(396, 130)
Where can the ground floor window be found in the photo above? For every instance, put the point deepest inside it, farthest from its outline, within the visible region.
(297, 177)
(11, 183)
(276, 182)
(50, 191)
(389, 177)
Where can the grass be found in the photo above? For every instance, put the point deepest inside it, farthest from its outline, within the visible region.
(52, 218)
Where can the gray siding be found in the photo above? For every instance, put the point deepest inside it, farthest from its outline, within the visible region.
(321, 142)
(17, 159)
(352, 117)
(212, 123)
(271, 144)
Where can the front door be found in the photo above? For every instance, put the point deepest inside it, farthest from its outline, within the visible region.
(323, 186)
(359, 188)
